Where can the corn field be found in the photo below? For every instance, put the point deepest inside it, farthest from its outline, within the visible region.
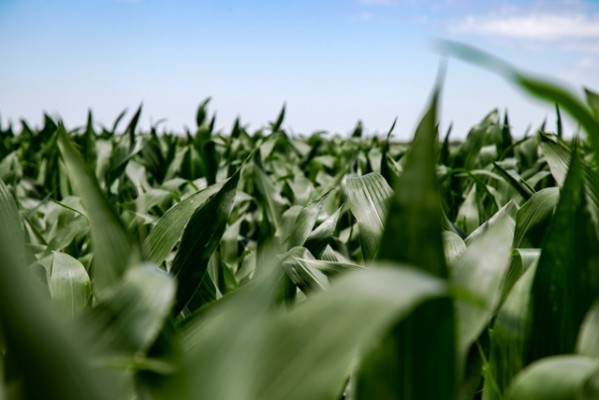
(259, 265)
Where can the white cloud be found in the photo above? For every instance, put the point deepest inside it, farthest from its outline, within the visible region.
(534, 26)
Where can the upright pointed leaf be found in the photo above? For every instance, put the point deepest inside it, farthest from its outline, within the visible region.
(113, 248)
(276, 126)
(482, 269)
(200, 238)
(130, 130)
(567, 277)
(269, 192)
(202, 113)
(404, 363)
(413, 229)
(45, 354)
(164, 235)
(559, 127)
(508, 338)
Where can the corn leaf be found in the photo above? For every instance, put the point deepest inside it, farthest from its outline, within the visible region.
(45, 363)
(555, 378)
(128, 320)
(367, 197)
(69, 283)
(567, 276)
(200, 238)
(164, 235)
(113, 247)
(314, 333)
(404, 363)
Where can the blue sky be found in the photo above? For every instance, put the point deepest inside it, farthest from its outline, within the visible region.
(331, 61)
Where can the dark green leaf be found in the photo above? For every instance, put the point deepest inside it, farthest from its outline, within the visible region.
(200, 238)
(164, 236)
(404, 363)
(567, 276)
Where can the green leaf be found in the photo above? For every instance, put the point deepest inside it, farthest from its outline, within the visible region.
(304, 223)
(113, 248)
(200, 238)
(413, 228)
(454, 246)
(567, 276)
(164, 235)
(48, 359)
(276, 126)
(508, 337)
(592, 101)
(303, 275)
(367, 197)
(481, 269)
(557, 156)
(330, 268)
(588, 340)
(554, 378)
(533, 217)
(397, 366)
(269, 193)
(128, 320)
(303, 354)
(130, 130)
(202, 113)
(70, 286)
(558, 122)
(540, 88)
(516, 182)
(468, 217)
(319, 238)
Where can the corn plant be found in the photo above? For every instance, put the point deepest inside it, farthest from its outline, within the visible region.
(263, 265)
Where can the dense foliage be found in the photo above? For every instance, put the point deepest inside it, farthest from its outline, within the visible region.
(211, 265)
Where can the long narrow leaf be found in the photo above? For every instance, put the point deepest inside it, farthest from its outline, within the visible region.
(46, 356)
(404, 363)
(113, 248)
(567, 277)
(306, 354)
(164, 236)
(200, 238)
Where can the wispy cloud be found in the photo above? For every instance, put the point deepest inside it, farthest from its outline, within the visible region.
(533, 26)
(362, 16)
